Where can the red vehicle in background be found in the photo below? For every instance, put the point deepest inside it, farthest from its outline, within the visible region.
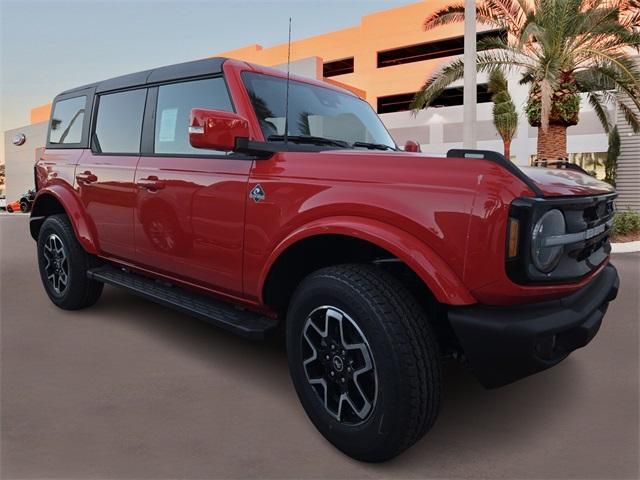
(24, 204)
(220, 189)
(13, 206)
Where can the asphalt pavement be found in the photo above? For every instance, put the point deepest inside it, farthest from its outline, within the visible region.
(130, 389)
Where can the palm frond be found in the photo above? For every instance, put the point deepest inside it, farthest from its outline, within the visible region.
(596, 101)
(454, 71)
(453, 13)
(497, 13)
(625, 84)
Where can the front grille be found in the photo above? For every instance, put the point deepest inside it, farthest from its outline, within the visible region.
(586, 242)
(595, 220)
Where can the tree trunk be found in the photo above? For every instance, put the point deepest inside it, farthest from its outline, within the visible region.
(552, 144)
(507, 149)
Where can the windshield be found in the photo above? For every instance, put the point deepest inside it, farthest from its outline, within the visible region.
(314, 112)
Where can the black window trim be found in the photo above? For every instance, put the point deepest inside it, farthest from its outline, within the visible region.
(84, 138)
(147, 137)
(147, 146)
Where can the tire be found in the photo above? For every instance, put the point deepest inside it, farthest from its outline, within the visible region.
(381, 318)
(9, 209)
(59, 247)
(24, 207)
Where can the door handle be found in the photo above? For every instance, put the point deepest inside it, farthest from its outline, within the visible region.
(86, 177)
(150, 183)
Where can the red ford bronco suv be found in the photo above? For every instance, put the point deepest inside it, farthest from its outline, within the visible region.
(220, 189)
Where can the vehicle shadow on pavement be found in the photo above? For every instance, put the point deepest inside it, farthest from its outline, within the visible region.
(473, 420)
(202, 341)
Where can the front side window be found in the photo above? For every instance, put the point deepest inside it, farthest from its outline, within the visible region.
(67, 121)
(175, 102)
(119, 122)
(314, 111)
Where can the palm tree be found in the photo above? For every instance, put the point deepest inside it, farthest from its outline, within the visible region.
(505, 117)
(561, 48)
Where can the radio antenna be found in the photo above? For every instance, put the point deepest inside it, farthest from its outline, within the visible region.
(286, 100)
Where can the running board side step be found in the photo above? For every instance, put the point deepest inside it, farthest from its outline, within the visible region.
(241, 322)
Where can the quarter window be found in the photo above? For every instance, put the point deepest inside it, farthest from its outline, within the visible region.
(175, 102)
(67, 121)
(119, 122)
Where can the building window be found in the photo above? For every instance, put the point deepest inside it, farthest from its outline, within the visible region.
(338, 67)
(450, 97)
(429, 50)
(119, 122)
(67, 121)
(175, 102)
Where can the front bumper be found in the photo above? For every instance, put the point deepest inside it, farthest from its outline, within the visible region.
(504, 344)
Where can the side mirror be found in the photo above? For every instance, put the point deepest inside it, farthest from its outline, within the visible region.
(216, 129)
(412, 146)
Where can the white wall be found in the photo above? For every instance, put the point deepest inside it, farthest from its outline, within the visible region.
(19, 161)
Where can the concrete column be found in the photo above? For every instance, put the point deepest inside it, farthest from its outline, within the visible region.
(436, 129)
(469, 136)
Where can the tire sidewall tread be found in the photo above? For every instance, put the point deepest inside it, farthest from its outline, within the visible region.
(405, 353)
(81, 291)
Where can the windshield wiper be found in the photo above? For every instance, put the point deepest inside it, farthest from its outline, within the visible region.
(310, 139)
(373, 146)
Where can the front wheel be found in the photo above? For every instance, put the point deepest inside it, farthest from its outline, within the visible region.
(63, 265)
(364, 361)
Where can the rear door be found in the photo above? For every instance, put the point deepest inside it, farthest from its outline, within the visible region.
(105, 175)
(67, 139)
(189, 220)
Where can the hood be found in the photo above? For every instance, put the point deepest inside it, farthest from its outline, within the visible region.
(555, 182)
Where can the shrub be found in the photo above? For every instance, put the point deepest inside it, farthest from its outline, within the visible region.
(625, 223)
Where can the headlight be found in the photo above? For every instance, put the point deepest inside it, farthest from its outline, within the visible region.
(546, 258)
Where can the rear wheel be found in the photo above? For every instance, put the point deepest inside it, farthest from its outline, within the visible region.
(363, 360)
(63, 265)
(24, 206)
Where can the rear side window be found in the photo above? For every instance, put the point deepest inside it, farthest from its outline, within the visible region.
(175, 102)
(119, 122)
(67, 121)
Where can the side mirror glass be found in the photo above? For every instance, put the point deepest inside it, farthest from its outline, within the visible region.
(412, 146)
(216, 129)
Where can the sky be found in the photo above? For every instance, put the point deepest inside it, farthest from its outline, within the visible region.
(48, 46)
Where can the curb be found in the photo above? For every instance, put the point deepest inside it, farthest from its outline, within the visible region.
(627, 247)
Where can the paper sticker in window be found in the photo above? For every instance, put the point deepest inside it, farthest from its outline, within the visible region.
(168, 125)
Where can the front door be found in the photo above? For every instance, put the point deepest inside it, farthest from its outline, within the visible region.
(190, 203)
(105, 175)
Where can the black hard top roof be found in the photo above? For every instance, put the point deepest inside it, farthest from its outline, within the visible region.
(197, 68)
